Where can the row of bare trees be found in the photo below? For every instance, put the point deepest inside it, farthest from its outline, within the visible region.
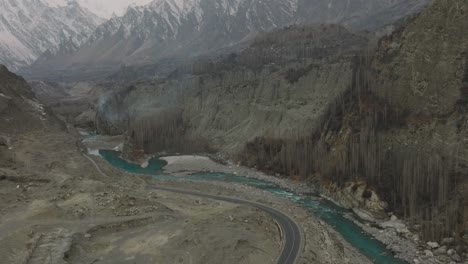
(355, 142)
(165, 131)
(420, 185)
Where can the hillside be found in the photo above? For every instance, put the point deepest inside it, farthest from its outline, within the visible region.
(19, 109)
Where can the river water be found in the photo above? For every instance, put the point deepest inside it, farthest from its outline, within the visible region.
(327, 211)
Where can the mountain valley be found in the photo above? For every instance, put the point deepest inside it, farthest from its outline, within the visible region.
(354, 108)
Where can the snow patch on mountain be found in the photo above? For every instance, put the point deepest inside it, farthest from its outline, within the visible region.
(13, 46)
(28, 28)
(56, 3)
(102, 8)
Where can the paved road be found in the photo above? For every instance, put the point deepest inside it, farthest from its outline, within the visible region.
(290, 230)
(291, 233)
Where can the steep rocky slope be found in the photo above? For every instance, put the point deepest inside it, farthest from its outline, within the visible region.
(334, 113)
(280, 85)
(73, 103)
(19, 109)
(422, 74)
(170, 30)
(29, 28)
(401, 129)
(424, 67)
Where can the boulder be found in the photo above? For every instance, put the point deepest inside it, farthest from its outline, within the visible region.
(442, 250)
(365, 215)
(433, 245)
(448, 241)
(455, 257)
(398, 225)
(5, 141)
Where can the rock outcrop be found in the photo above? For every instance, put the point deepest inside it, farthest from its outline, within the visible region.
(19, 110)
(424, 68)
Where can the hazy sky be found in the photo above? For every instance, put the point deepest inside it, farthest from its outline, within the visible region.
(103, 8)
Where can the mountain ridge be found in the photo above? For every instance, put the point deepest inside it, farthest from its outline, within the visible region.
(29, 28)
(170, 29)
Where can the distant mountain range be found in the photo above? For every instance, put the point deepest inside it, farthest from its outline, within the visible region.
(174, 29)
(28, 28)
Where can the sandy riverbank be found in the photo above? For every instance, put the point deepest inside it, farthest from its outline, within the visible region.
(55, 207)
(189, 164)
(331, 249)
(392, 233)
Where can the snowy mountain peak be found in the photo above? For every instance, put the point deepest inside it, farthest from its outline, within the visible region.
(56, 3)
(28, 28)
(173, 4)
(103, 8)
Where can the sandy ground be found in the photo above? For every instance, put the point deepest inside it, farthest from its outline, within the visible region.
(56, 208)
(187, 165)
(321, 243)
(407, 246)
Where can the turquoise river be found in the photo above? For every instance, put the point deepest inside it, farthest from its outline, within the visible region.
(321, 208)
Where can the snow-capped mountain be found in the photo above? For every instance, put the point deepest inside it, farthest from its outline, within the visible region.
(167, 29)
(28, 28)
(102, 8)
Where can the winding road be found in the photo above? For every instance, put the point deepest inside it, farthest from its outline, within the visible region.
(291, 234)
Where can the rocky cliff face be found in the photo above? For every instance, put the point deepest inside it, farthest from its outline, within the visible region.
(20, 113)
(421, 73)
(402, 127)
(19, 110)
(281, 86)
(423, 67)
